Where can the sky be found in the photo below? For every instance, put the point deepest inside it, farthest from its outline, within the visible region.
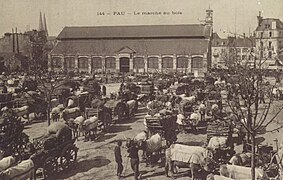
(228, 15)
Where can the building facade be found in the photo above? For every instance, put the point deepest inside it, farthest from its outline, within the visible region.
(146, 48)
(269, 41)
(21, 51)
(232, 49)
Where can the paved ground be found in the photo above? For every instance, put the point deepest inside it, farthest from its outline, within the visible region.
(96, 158)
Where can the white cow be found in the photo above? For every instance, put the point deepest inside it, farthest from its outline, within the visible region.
(191, 99)
(180, 119)
(217, 142)
(240, 172)
(22, 171)
(76, 125)
(21, 111)
(152, 145)
(185, 156)
(217, 177)
(71, 113)
(89, 127)
(56, 112)
(7, 162)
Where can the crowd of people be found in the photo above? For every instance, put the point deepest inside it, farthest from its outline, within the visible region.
(202, 102)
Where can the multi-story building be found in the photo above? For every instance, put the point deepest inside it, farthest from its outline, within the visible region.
(20, 50)
(231, 49)
(269, 41)
(144, 48)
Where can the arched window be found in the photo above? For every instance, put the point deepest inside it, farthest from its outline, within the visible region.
(57, 62)
(138, 62)
(153, 62)
(83, 62)
(182, 62)
(96, 62)
(167, 62)
(110, 63)
(70, 62)
(197, 62)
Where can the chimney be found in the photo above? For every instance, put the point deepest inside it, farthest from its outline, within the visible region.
(259, 18)
(17, 40)
(13, 36)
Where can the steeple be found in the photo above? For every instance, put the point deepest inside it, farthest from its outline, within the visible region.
(40, 27)
(44, 25)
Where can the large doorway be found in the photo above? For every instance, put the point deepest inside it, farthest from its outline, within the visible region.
(124, 64)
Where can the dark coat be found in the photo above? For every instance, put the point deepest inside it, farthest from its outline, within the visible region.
(117, 153)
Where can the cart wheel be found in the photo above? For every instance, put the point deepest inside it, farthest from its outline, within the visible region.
(50, 167)
(68, 156)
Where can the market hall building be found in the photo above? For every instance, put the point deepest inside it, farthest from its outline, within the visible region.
(146, 48)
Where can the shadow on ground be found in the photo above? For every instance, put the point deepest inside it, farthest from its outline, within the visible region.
(192, 143)
(105, 137)
(116, 128)
(83, 166)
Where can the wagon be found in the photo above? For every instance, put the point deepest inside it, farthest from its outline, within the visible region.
(122, 109)
(146, 91)
(164, 125)
(154, 125)
(104, 115)
(55, 154)
(33, 100)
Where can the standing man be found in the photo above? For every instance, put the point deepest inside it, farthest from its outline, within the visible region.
(133, 154)
(118, 158)
(104, 90)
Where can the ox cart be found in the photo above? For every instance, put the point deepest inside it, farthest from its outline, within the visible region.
(104, 115)
(164, 124)
(146, 91)
(190, 119)
(213, 97)
(35, 102)
(121, 108)
(196, 158)
(219, 139)
(55, 151)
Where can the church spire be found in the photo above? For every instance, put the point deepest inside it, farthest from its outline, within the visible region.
(44, 25)
(40, 27)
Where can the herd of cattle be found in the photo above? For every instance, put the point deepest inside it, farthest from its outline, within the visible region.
(191, 108)
(202, 108)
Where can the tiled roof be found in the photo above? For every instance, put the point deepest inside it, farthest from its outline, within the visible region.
(140, 47)
(140, 31)
(235, 42)
(243, 42)
(268, 22)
